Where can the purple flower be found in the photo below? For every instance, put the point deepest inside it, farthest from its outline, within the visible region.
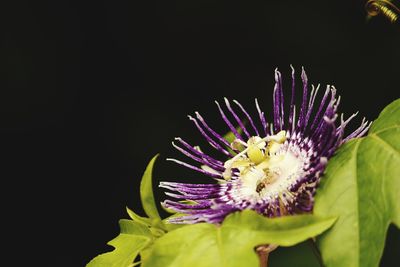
(272, 168)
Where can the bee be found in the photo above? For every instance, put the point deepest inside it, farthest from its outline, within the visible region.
(269, 178)
(261, 186)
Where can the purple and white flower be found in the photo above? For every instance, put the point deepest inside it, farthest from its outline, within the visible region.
(272, 168)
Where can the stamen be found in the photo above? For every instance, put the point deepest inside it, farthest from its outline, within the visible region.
(273, 172)
(277, 138)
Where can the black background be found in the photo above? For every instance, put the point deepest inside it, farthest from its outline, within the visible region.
(91, 90)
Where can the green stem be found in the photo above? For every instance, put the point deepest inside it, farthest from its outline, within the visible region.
(316, 252)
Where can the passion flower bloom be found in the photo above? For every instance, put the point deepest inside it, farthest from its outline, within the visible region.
(272, 168)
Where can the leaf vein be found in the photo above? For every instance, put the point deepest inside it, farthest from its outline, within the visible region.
(385, 144)
(386, 129)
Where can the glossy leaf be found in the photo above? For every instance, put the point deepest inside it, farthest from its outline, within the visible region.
(137, 218)
(231, 244)
(132, 239)
(362, 187)
(146, 192)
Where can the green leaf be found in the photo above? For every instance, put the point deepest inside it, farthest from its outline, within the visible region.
(388, 119)
(362, 187)
(137, 218)
(132, 239)
(231, 244)
(146, 192)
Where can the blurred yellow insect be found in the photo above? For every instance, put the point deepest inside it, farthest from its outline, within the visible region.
(383, 7)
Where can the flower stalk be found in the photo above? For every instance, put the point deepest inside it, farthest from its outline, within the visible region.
(263, 252)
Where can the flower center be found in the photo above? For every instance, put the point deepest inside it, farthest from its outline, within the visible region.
(266, 167)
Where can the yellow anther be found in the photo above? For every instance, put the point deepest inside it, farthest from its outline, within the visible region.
(265, 164)
(255, 154)
(272, 148)
(257, 141)
(281, 137)
(275, 144)
(240, 163)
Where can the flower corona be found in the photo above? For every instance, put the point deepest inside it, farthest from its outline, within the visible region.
(272, 168)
